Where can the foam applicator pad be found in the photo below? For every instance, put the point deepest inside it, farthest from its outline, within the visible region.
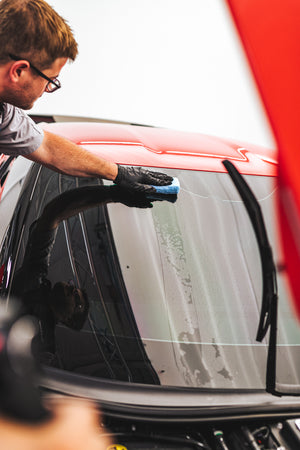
(172, 188)
(168, 193)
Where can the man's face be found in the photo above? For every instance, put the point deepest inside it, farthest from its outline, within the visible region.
(32, 86)
(68, 302)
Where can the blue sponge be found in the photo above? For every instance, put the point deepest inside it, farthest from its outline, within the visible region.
(170, 188)
(168, 193)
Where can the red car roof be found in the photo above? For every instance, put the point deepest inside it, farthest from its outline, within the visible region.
(164, 148)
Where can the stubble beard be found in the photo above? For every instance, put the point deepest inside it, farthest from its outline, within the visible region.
(18, 99)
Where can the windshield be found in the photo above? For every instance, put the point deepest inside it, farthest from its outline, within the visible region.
(168, 295)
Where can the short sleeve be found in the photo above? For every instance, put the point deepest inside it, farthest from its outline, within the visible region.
(19, 135)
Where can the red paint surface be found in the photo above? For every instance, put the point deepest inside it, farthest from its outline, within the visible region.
(270, 32)
(157, 147)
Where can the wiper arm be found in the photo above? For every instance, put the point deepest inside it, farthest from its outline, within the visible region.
(269, 308)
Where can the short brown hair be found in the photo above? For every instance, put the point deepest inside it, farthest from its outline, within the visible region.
(32, 29)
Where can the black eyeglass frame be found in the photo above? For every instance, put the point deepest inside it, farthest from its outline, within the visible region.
(55, 81)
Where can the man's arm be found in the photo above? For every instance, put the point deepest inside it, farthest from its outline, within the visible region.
(77, 200)
(64, 156)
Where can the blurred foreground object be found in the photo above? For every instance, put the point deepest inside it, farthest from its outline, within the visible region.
(74, 426)
(19, 392)
(270, 33)
(24, 420)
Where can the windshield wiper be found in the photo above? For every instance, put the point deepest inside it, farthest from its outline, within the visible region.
(269, 308)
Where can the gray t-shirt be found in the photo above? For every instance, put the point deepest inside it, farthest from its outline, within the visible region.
(19, 135)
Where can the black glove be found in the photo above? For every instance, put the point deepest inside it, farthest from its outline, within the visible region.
(129, 198)
(136, 179)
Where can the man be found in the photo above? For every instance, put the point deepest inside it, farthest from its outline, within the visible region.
(35, 45)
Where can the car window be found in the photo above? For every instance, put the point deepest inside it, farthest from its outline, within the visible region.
(167, 295)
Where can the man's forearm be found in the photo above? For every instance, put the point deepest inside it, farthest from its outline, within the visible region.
(66, 157)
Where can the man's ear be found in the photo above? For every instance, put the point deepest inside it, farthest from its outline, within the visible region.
(18, 69)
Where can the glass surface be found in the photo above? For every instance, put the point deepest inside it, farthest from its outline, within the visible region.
(172, 294)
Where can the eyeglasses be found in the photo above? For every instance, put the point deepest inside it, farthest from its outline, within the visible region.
(51, 86)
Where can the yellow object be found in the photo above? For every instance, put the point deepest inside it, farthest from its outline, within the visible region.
(116, 447)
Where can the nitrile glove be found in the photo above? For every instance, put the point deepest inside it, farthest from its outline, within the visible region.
(136, 179)
(129, 198)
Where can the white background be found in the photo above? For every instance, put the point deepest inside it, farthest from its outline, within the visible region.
(171, 63)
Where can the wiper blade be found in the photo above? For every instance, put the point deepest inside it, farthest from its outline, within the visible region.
(269, 308)
(268, 267)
